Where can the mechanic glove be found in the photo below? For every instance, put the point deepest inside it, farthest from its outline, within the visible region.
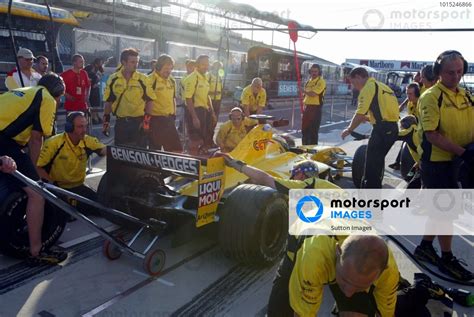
(468, 156)
(236, 164)
(106, 124)
(146, 123)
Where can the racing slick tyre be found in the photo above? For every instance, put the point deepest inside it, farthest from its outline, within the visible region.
(358, 165)
(253, 224)
(109, 196)
(154, 262)
(14, 230)
(406, 161)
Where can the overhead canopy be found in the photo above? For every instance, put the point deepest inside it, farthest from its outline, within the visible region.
(250, 11)
(36, 11)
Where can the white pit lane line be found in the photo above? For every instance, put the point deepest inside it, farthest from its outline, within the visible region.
(159, 280)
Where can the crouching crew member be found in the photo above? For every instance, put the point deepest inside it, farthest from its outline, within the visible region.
(63, 158)
(26, 116)
(160, 114)
(360, 271)
(126, 94)
(254, 97)
(379, 102)
(234, 130)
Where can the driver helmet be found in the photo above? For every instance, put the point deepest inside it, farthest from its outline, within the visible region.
(308, 167)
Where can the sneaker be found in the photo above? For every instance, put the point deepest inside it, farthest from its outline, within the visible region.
(454, 267)
(423, 282)
(427, 254)
(395, 166)
(49, 257)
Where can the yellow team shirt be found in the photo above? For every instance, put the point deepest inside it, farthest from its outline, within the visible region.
(182, 87)
(316, 85)
(231, 136)
(385, 102)
(412, 109)
(128, 98)
(253, 101)
(422, 90)
(410, 135)
(453, 118)
(196, 87)
(215, 86)
(316, 266)
(164, 89)
(18, 117)
(65, 162)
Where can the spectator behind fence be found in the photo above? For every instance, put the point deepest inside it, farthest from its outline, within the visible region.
(41, 65)
(28, 74)
(95, 72)
(77, 86)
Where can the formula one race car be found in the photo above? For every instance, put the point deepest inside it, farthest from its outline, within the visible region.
(252, 220)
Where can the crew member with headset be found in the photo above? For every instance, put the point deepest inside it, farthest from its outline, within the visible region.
(26, 116)
(446, 129)
(234, 130)
(63, 158)
(127, 92)
(377, 101)
(314, 90)
(161, 113)
(413, 93)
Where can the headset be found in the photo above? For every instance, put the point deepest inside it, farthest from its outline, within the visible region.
(236, 109)
(71, 116)
(416, 87)
(315, 66)
(442, 56)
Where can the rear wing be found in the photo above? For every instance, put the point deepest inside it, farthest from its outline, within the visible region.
(155, 161)
(209, 174)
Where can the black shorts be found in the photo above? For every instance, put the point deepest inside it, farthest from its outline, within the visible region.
(23, 162)
(361, 302)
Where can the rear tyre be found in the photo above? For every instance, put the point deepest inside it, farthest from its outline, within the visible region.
(110, 196)
(14, 230)
(358, 165)
(253, 224)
